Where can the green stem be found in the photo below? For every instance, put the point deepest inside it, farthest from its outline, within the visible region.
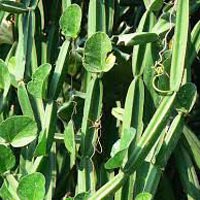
(110, 187)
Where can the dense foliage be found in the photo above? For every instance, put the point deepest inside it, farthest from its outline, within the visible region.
(99, 99)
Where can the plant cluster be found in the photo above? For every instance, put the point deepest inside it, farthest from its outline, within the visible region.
(98, 99)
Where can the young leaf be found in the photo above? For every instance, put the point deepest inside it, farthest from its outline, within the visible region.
(95, 58)
(18, 131)
(70, 21)
(38, 86)
(7, 159)
(32, 187)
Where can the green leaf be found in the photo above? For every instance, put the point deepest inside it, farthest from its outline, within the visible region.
(4, 77)
(32, 187)
(127, 138)
(95, 58)
(5, 193)
(119, 151)
(156, 5)
(144, 196)
(69, 137)
(7, 159)
(115, 148)
(24, 100)
(12, 68)
(153, 5)
(18, 131)
(186, 97)
(70, 21)
(13, 7)
(38, 86)
(163, 23)
(82, 196)
(42, 143)
(65, 112)
(8, 188)
(117, 160)
(69, 140)
(137, 38)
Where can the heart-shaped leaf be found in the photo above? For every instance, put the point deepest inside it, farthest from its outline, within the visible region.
(7, 159)
(18, 131)
(95, 53)
(70, 20)
(38, 85)
(32, 187)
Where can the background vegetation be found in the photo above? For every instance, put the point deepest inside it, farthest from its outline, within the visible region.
(99, 99)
